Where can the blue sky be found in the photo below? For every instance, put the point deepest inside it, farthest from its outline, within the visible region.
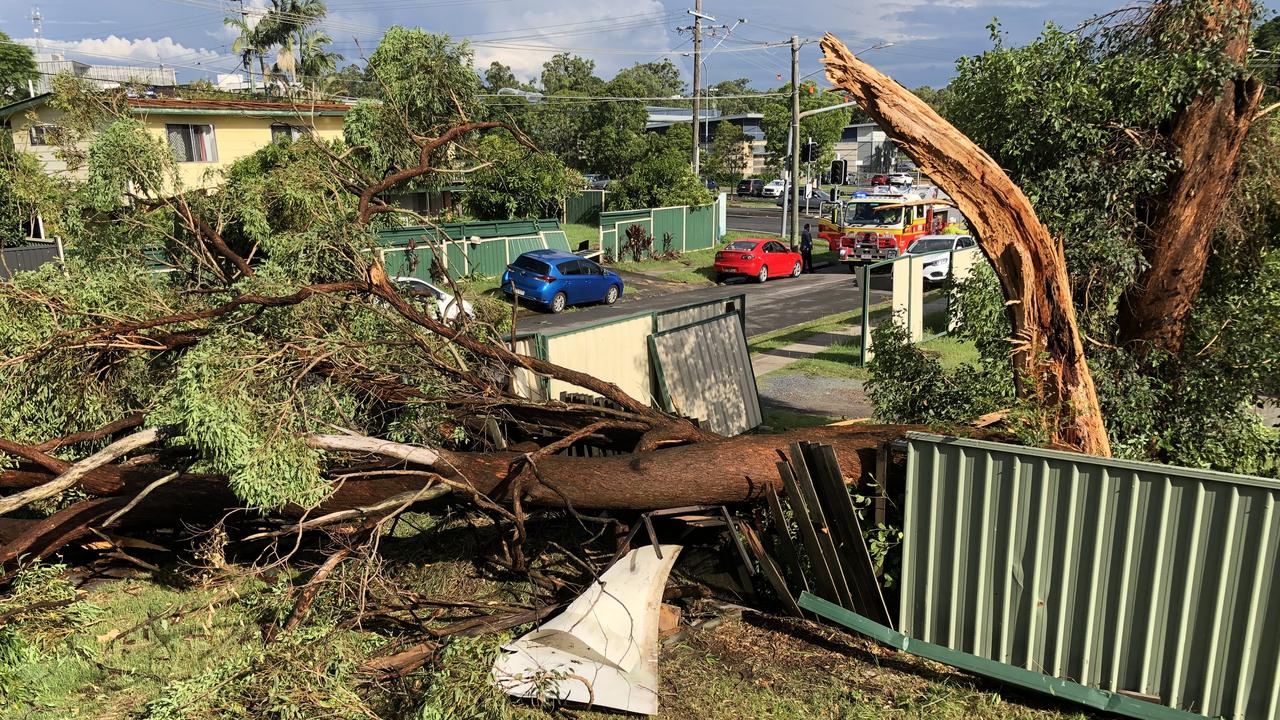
(927, 35)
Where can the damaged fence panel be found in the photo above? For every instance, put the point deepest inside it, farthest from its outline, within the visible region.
(1145, 580)
(1027, 679)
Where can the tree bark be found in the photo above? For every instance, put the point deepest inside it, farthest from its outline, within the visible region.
(1207, 136)
(1048, 355)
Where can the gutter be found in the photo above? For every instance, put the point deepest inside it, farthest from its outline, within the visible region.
(239, 113)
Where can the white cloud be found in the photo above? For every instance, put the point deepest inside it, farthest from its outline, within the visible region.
(112, 47)
(578, 27)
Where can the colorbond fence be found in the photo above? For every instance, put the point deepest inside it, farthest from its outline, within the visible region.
(467, 249)
(27, 257)
(1135, 578)
(691, 228)
(584, 209)
(618, 351)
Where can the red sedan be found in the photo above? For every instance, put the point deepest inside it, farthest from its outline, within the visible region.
(758, 258)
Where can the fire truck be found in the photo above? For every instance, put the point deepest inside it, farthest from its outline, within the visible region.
(869, 228)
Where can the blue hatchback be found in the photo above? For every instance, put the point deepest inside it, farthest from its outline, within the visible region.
(558, 279)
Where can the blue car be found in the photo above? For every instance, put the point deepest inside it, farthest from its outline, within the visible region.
(558, 279)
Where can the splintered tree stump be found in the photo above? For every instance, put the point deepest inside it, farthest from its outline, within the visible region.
(1048, 354)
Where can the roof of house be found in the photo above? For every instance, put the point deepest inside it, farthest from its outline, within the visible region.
(183, 106)
(248, 107)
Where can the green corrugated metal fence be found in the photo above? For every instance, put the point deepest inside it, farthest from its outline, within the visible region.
(584, 209)
(1129, 577)
(399, 237)
(691, 228)
(487, 258)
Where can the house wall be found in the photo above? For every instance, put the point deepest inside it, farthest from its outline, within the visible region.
(235, 136)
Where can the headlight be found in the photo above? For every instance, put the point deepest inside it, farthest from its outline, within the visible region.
(936, 263)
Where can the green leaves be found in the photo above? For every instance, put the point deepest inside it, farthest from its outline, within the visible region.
(519, 182)
(663, 178)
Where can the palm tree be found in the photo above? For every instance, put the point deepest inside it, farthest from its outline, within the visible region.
(317, 59)
(248, 44)
(285, 25)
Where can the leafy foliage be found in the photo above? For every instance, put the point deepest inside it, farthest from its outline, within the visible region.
(726, 163)
(663, 178)
(518, 183)
(17, 66)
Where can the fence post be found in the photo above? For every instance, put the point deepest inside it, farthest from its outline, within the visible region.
(684, 234)
(864, 282)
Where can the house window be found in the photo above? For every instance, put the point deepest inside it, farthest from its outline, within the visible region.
(192, 143)
(281, 132)
(42, 134)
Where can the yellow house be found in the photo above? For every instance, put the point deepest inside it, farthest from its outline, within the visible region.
(204, 135)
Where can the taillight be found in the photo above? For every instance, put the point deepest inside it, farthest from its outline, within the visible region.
(748, 257)
(544, 278)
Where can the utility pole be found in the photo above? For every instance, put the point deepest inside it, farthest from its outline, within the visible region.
(697, 85)
(793, 145)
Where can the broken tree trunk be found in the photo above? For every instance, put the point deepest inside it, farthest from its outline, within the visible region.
(1207, 136)
(1048, 355)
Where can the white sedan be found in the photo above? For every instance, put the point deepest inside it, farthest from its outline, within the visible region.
(937, 251)
(445, 307)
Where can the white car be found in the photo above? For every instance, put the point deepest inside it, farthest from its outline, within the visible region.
(446, 307)
(774, 189)
(901, 179)
(937, 253)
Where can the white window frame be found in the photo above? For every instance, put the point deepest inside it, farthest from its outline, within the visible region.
(295, 131)
(209, 148)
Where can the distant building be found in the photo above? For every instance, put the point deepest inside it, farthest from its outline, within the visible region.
(204, 135)
(870, 151)
(755, 152)
(104, 76)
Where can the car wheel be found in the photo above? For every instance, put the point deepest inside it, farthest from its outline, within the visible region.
(558, 302)
(763, 274)
(720, 278)
(611, 295)
(795, 270)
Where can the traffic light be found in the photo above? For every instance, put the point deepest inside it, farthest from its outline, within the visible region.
(809, 152)
(839, 169)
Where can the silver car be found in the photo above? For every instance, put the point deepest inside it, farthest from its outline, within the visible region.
(445, 306)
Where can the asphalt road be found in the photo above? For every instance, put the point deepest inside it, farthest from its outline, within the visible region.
(758, 219)
(773, 305)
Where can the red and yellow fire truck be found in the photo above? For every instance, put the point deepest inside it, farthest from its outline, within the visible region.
(874, 228)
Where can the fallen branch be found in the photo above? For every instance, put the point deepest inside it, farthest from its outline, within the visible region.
(73, 474)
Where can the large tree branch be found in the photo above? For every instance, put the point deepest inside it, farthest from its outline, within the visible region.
(77, 471)
(427, 147)
(1048, 358)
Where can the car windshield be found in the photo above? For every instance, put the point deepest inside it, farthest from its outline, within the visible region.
(524, 262)
(865, 213)
(741, 245)
(928, 245)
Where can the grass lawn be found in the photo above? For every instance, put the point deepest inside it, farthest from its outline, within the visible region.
(577, 234)
(779, 419)
(803, 331)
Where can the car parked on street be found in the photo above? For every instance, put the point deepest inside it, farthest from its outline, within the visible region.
(444, 306)
(811, 204)
(880, 179)
(557, 279)
(773, 189)
(751, 187)
(937, 250)
(758, 258)
(902, 179)
(596, 181)
(711, 185)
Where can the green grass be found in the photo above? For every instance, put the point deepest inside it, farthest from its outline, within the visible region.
(803, 331)
(779, 419)
(578, 234)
